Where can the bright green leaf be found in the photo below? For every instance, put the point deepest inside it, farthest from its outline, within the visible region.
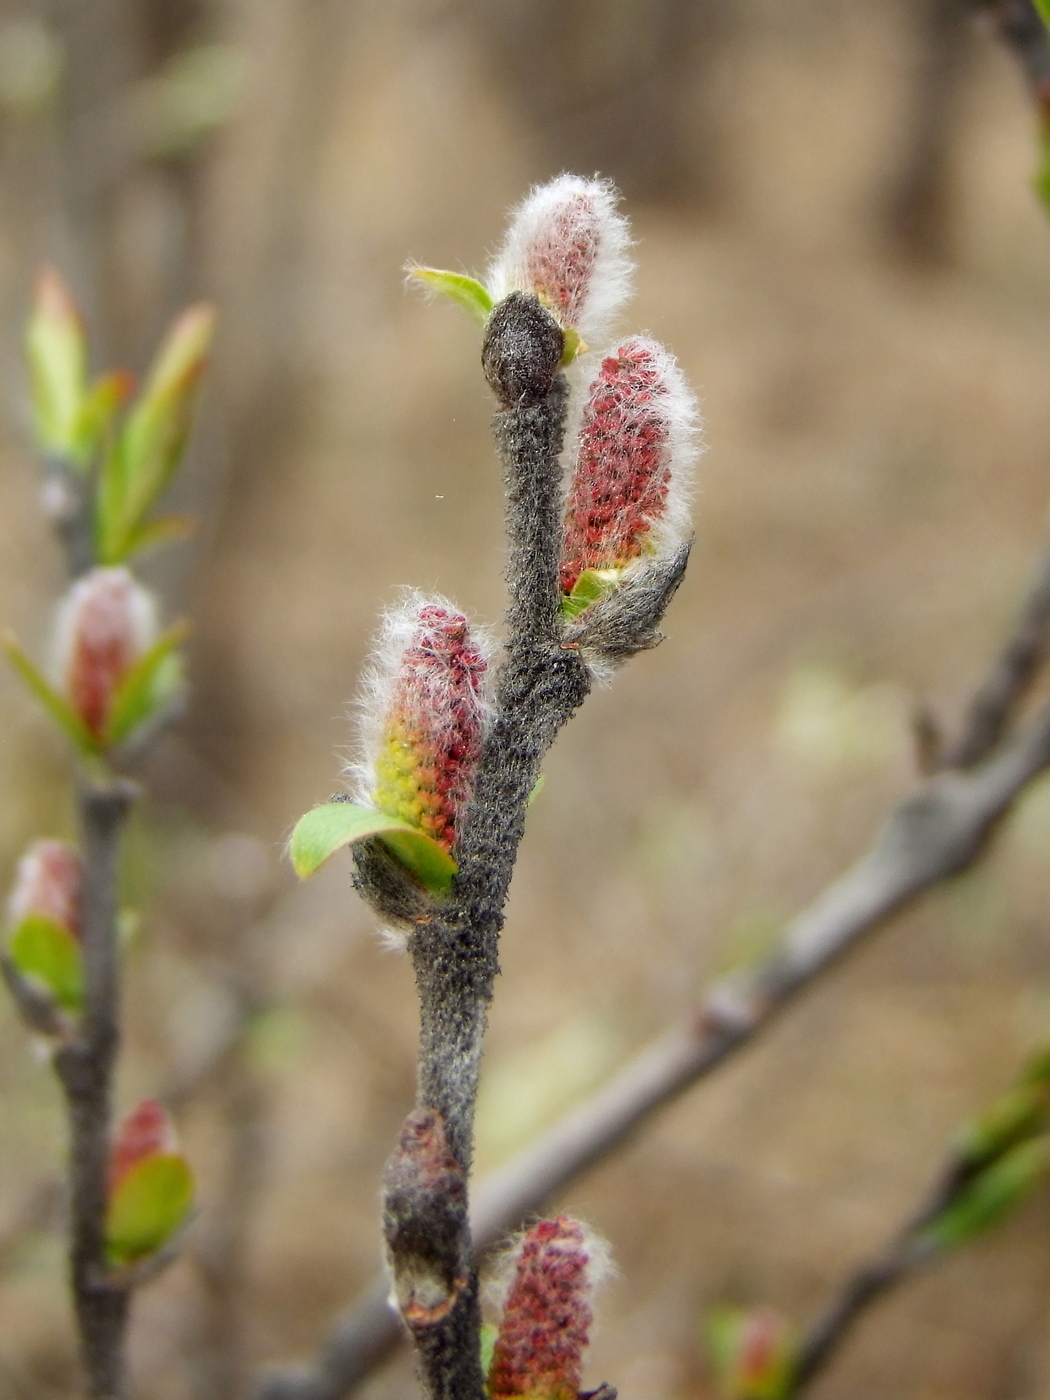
(41, 949)
(489, 1337)
(57, 355)
(1020, 1114)
(144, 455)
(147, 1206)
(591, 585)
(148, 685)
(1043, 7)
(56, 705)
(467, 291)
(573, 346)
(325, 829)
(991, 1195)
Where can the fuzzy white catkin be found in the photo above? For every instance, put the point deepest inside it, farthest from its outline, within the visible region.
(548, 229)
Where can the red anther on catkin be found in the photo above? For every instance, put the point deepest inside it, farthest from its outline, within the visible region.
(626, 494)
(547, 1316)
(48, 885)
(567, 245)
(431, 687)
(106, 624)
(147, 1131)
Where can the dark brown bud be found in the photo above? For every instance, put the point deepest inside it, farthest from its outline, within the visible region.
(425, 1214)
(522, 351)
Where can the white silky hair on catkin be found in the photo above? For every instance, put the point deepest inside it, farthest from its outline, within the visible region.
(371, 709)
(600, 1266)
(680, 411)
(612, 274)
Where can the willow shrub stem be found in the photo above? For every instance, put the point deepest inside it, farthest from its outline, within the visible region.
(85, 1065)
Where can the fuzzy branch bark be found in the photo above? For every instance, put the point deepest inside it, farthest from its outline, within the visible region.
(85, 1064)
(455, 950)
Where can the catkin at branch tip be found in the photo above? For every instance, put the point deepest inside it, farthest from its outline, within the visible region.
(567, 244)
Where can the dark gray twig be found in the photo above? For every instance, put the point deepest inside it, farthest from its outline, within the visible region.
(85, 1064)
(455, 949)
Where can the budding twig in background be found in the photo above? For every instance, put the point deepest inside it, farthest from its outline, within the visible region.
(116, 682)
(43, 965)
(561, 277)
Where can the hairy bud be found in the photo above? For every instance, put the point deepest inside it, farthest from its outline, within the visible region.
(628, 492)
(429, 690)
(424, 1221)
(48, 886)
(106, 624)
(547, 1314)
(521, 352)
(567, 245)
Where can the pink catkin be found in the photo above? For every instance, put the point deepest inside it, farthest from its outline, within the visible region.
(547, 1316)
(146, 1132)
(106, 625)
(560, 261)
(622, 473)
(567, 245)
(49, 885)
(434, 727)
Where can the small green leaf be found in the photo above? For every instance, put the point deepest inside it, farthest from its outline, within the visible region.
(1043, 7)
(149, 685)
(325, 829)
(163, 529)
(147, 1206)
(489, 1338)
(574, 345)
(591, 585)
(57, 355)
(44, 950)
(992, 1194)
(1020, 1114)
(56, 705)
(467, 291)
(143, 456)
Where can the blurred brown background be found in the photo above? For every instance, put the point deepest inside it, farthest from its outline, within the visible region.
(836, 236)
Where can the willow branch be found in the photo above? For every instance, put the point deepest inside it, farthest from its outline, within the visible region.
(455, 949)
(85, 1064)
(1014, 671)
